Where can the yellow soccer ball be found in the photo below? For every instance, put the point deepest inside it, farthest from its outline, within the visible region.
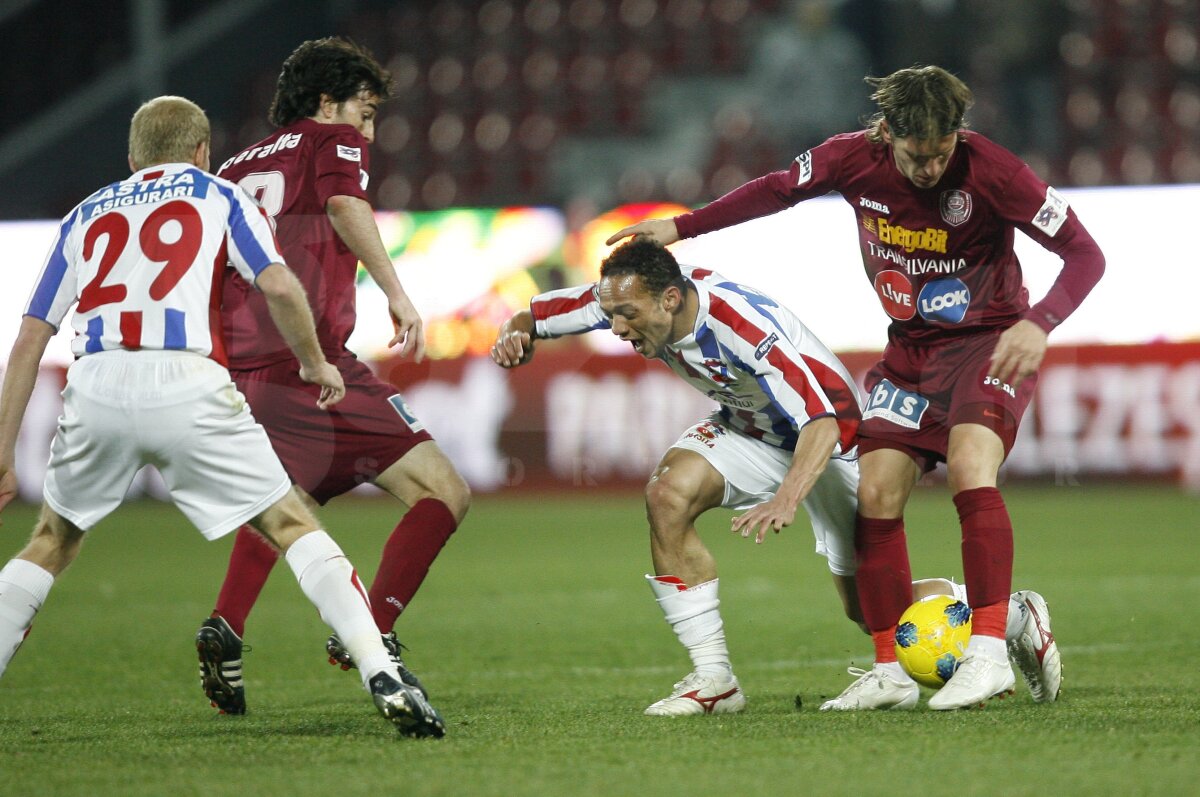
(931, 637)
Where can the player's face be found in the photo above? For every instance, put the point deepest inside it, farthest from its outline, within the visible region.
(638, 316)
(923, 162)
(358, 112)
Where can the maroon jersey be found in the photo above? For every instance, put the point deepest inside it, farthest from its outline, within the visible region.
(292, 173)
(940, 259)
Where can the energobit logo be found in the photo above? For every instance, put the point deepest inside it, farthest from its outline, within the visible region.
(944, 300)
(895, 294)
(929, 239)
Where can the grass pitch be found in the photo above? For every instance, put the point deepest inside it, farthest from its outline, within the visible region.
(541, 645)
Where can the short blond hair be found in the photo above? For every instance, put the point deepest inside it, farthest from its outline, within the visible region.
(166, 130)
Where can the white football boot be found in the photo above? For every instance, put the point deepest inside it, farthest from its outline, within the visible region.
(977, 680)
(875, 690)
(699, 693)
(1034, 652)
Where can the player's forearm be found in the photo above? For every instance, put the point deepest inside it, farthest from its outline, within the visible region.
(289, 309)
(354, 222)
(760, 197)
(1083, 265)
(813, 449)
(20, 377)
(521, 321)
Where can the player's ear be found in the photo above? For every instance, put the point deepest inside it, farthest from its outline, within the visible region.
(885, 132)
(133, 167)
(672, 298)
(200, 157)
(327, 107)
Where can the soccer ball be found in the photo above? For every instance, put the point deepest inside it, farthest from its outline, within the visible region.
(931, 637)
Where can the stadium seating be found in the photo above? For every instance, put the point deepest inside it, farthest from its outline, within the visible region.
(527, 101)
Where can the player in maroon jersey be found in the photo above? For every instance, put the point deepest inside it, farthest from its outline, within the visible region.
(310, 176)
(937, 206)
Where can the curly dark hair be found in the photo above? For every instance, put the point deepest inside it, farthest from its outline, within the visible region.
(646, 258)
(924, 102)
(333, 66)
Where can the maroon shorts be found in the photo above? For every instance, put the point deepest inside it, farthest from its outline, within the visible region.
(916, 393)
(328, 452)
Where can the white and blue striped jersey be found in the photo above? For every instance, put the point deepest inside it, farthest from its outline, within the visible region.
(142, 261)
(769, 373)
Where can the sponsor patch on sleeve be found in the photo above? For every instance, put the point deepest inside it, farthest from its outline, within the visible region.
(766, 346)
(349, 153)
(804, 164)
(1052, 213)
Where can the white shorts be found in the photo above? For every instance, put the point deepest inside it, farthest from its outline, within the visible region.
(178, 411)
(754, 470)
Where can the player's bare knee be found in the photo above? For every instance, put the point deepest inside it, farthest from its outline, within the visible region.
(286, 521)
(667, 502)
(54, 543)
(455, 493)
(879, 499)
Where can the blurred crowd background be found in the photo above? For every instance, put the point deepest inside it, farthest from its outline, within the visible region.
(588, 104)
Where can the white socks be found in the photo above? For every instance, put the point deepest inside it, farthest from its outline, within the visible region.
(23, 589)
(693, 615)
(330, 582)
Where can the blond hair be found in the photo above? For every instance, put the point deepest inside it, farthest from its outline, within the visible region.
(922, 102)
(166, 130)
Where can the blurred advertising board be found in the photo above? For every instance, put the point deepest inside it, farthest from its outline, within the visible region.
(1118, 395)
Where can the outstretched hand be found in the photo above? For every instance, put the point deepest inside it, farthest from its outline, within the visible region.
(512, 348)
(661, 231)
(773, 514)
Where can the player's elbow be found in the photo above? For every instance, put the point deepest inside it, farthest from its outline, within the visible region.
(277, 283)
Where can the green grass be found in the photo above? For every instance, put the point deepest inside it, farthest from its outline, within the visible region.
(541, 645)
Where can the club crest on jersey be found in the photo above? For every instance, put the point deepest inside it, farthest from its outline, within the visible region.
(349, 153)
(896, 294)
(766, 346)
(717, 372)
(956, 207)
(896, 405)
(945, 300)
(804, 162)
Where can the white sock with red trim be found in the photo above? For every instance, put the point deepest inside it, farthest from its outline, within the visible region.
(331, 583)
(693, 616)
(23, 589)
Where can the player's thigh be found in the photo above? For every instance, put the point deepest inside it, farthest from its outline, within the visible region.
(220, 469)
(426, 472)
(683, 486)
(749, 470)
(94, 455)
(832, 506)
(974, 457)
(886, 479)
